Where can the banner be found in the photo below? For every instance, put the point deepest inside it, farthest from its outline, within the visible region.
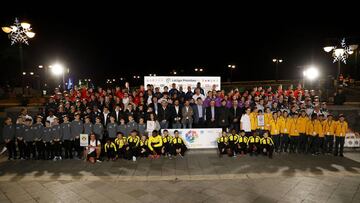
(351, 140)
(198, 138)
(84, 140)
(207, 82)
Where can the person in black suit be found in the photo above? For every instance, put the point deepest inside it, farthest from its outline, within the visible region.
(117, 113)
(235, 115)
(105, 116)
(164, 114)
(155, 106)
(176, 115)
(223, 115)
(211, 115)
(199, 113)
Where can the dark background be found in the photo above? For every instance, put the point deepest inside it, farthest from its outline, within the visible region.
(109, 41)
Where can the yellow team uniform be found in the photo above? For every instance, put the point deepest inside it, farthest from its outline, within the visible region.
(253, 120)
(268, 118)
(294, 127)
(285, 125)
(155, 141)
(329, 127)
(341, 129)
(302, 122)
(275, 125)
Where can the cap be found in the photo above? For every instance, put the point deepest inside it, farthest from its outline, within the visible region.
(77, 114)
(39, 116)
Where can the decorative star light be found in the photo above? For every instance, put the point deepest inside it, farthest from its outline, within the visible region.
(19, 32)
(341, 54)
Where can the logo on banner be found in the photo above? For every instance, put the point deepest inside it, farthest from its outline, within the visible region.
(191, 135)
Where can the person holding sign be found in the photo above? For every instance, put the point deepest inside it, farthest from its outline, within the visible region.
(260, 122)
(93, 150)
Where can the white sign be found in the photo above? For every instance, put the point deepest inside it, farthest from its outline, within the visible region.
(207, 82)
(198, 138)
(84, 140)
(261, 120)
(150, 126)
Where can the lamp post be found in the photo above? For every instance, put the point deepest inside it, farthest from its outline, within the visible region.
(199, 70)
(232, 67)
(19, 33)
(311, 73)
(277, 61)
(57, 70)
(353, 50)
(340, 54)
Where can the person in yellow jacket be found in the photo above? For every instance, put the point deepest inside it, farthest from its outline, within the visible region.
(120, 143)
(242, 143)
(253, 120)
(267, 145)
(254, 144)
(275, 125)
(155, 144)
(329, 126)
(178, 145)
(166, 149)
(284, 130)
(302, 123)
(313, 129)
(110, 150)
(268, 118)
(132, 147)
(294, 133)
(340, 132)
(232, 142)
(321, 138)
(222, 143)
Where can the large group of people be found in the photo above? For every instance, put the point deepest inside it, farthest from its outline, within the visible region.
(131, 124)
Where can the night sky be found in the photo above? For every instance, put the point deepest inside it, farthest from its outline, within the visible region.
(138, 41)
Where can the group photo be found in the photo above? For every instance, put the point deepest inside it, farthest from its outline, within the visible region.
(111, 102)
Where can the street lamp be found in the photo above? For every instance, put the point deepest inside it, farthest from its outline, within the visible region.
(199, 70)
(340, 54)
(311, 74)
(277, 61)
(57, 70)
(353, 50)
(232, 67)
(19, 33)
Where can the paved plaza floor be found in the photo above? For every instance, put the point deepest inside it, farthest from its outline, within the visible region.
(200, 177)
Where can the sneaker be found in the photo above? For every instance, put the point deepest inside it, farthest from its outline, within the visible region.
(10, 158)
(134, 158)
(98, 160)
(3, 150)
(55, 158)
(22, 158)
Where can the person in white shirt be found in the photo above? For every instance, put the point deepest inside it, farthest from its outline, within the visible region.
(245, 123)
(93, 150)
(198, 94)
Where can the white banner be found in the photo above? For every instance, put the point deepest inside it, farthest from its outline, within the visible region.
(198, 138)
(207, 82)
(84, 140)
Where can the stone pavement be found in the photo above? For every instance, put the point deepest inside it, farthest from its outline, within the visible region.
(199, 177)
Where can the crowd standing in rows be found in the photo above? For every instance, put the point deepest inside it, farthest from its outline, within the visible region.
(127, 124)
